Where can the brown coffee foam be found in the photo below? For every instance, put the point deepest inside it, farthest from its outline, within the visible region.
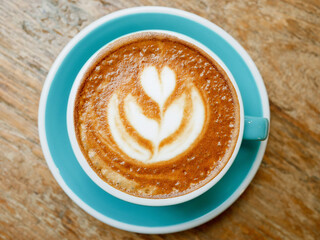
(116, 70)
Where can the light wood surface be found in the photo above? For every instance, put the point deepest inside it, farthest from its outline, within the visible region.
(282, 37)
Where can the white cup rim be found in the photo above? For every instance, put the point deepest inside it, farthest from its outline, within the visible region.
(122, 195)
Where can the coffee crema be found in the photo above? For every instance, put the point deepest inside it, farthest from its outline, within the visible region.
(155, 116)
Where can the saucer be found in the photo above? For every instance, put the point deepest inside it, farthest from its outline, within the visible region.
(61, 159)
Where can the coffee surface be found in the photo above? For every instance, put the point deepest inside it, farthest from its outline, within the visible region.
(155, 116)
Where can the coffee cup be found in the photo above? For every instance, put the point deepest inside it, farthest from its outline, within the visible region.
(156, 118)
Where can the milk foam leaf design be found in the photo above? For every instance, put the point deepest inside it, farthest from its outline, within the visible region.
(191, 131)
(146, 127)
(149, 128)
(172, 118)
(123, 139)
(159, 89)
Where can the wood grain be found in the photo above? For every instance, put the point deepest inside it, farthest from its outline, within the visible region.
(283, 38)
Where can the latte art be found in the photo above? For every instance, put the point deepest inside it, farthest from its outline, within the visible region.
(174, 119)
(155, 116)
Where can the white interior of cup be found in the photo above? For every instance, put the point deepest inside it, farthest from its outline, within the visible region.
(122, 195)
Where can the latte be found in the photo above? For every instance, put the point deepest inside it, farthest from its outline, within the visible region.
(155, 116)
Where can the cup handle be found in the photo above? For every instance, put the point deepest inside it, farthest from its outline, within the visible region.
(255, 128)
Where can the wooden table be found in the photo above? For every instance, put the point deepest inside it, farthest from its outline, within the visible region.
(282, 37)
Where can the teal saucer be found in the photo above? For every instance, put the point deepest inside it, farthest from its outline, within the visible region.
(61, 159)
